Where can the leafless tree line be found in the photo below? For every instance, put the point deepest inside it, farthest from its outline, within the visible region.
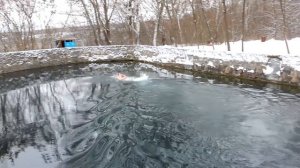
(152, 22)
(18, 24)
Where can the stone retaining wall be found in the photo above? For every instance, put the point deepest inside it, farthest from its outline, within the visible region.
(276, 69)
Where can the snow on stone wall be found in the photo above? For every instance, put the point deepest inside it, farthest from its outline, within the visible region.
(282, 69)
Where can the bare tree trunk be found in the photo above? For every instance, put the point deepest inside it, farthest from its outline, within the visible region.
(130, 20)
(4, 44)
(160, 7)
(218, 20)
(284, 25)
(172, 34)
(107, 24)
(97, 16)
(226, 25)
(179, 27)
(138, 31)
(137, 22)
(155, 33)
(207, 25)
(275, 20)
(243, 24)
(173, 14)
(195, 39)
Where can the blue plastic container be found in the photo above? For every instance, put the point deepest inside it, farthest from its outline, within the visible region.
(70, 44)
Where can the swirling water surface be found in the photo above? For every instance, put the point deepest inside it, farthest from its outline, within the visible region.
(82, 117)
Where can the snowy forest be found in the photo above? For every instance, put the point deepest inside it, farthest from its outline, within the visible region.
(29, 24)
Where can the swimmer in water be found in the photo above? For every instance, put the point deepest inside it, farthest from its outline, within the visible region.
(121, 76)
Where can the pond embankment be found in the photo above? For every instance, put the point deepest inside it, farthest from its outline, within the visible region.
(282, 69)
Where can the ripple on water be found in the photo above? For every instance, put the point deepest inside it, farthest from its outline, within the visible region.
(92, 120)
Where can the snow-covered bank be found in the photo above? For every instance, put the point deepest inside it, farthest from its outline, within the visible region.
(269, 47)
(280, 69)
(168, 54)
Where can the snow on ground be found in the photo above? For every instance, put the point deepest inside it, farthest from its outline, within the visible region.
(169, 54)
(255, 51)
(270, 47)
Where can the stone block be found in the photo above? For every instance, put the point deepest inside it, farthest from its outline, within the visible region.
(295, 75)
(228, 70)
(285, 76)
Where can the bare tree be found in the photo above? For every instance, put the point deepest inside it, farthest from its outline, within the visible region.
(173, 9)
(282, 7)
(47, 34)
(105, 8)
(89, 17)
(195, 19)
(19, 23)
(131, 21)
(107, 18)
(98, 14)
(22, 28)
(243, 24)
(226, 24)
(159, 8)
(125, 22)
(130, 10)
(207, 24)
(137, 16)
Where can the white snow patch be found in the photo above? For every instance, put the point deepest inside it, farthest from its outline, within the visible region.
(198, 64)
(268, 70)
(184, 61)
(269, 47)
(211, 64)
(278, 73)
(210, 81)
(255, 51)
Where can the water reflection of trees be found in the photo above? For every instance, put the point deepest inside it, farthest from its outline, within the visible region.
(128, 132)
(39, 115)
(90, 123)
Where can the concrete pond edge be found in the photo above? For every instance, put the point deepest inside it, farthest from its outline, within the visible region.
(280, 69)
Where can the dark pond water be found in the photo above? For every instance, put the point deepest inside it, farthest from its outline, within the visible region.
(83, 117)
